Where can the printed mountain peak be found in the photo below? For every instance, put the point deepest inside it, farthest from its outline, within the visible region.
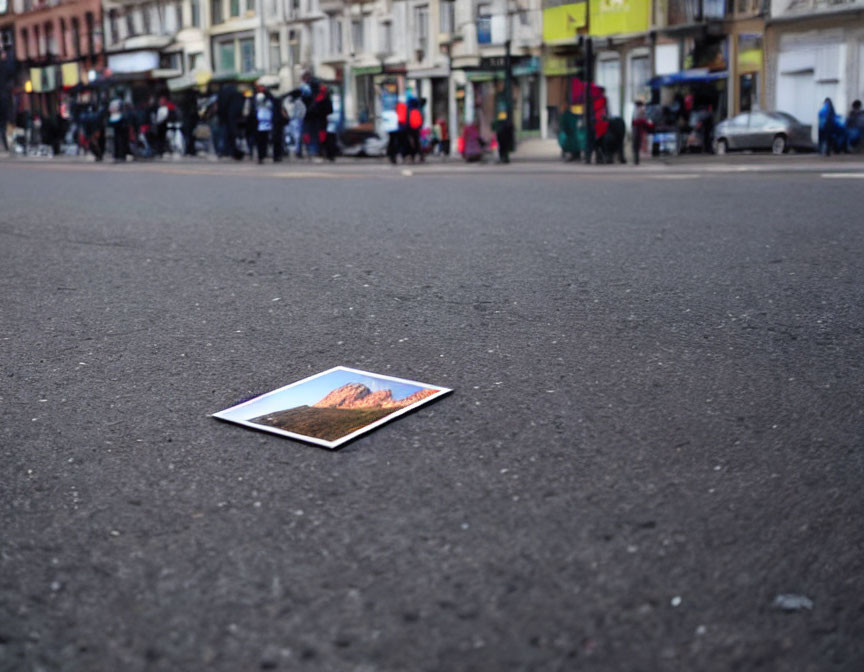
(357, 395)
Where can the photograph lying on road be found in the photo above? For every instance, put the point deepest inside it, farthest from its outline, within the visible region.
(332, 407)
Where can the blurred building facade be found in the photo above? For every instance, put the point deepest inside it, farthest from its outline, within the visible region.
(57, 46)
(734, 55)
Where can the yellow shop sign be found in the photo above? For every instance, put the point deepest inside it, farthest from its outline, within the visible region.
(612, 17)
(561, 20)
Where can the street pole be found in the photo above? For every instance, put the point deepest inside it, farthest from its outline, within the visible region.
(589, 103)
(508, 81)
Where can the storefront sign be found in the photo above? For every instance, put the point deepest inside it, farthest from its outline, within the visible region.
(611, 17)
(561, 65)
(562, 19)
(70, 73)
(750, 52)
(134, 61)
(367, 70)
(36, 79)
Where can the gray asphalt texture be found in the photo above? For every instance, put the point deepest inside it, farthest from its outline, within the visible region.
(656, 427)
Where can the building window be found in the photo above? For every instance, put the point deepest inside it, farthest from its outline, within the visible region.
(448, 16)
(171, 61)
(250, 6)
(178, 14)
(25, 43)
(113, 27)
(639, 74)
(235, 7)
(145, 19)
(484, 24)
(294, 46)
(216, 12)
(62, 42)
(37, 38)
(421, 25)
(196, 61)
(275, 52)
(50, 39)
(76, 37)
(335, 35)
(247, 55)
(357, 35)
(386, 37)
(196, 13)
(91, 33)
(295, 7)
(226, 57)
(130, 23)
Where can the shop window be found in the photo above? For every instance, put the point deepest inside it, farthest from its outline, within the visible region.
(365, 98)
(609, 77)
(748, 92)
(639, 74)
(247, 55)
(529, 94)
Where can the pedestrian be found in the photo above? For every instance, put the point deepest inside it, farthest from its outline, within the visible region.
(190, 121)
(317, 103)
(414, 122)
(826, 127)
(639, 129)
(118, 122)
(707, 123)
(504, 135)
(264, 119)
(854, 127)
(280, 121)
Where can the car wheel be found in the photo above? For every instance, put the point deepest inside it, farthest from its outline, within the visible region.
(779, 144)
(722, 147)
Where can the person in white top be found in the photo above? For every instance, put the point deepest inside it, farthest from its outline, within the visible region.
(264, 115)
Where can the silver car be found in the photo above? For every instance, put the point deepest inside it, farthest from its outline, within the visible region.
(776, 131)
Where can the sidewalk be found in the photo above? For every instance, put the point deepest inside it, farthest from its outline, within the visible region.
(533, 157)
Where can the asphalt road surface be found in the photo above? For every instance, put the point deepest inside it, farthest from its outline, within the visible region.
(656, 428)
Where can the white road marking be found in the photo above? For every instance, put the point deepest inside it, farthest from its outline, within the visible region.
(843, 176)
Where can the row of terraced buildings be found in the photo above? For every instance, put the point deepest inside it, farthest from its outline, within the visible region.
(735, 54)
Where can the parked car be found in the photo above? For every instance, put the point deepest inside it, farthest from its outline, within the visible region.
(777, 131)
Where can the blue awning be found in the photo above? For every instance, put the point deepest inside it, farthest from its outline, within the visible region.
(698, 76)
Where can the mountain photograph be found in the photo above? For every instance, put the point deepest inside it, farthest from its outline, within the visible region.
(342, 411)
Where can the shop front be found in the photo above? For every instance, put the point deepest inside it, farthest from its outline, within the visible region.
(564, 22)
